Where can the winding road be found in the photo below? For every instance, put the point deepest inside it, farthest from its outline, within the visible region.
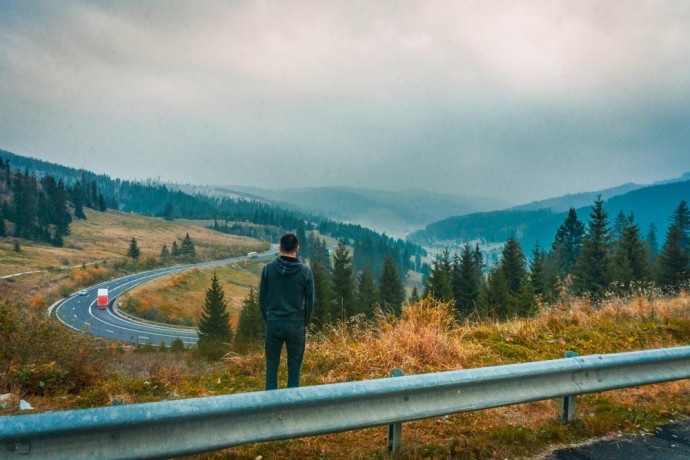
(79, 312)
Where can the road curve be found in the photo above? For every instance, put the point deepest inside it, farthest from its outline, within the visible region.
(79, 312)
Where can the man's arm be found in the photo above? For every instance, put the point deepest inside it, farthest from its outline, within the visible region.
(309, 298)
(263, 290)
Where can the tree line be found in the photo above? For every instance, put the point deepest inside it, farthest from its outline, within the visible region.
(592, 260)
(38, 209)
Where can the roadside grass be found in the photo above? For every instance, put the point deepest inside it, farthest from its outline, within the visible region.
(103, 240)
(426, 338)
(179, 298)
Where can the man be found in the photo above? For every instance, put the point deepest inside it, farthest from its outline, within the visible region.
(286, 299)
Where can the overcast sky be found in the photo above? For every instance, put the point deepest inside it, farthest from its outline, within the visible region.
(511, 100)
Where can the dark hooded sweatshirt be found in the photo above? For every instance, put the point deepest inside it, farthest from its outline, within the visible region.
(286, 291)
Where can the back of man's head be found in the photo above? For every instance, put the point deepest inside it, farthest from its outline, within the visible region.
(288, 243)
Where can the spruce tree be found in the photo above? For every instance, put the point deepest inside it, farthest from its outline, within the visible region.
(630, 257)
(681, 219)
(133, 250)
(175, 250)
(165, 253)
(468, 285)
(102, 206)
(250, 326)
(568, 244)
(673, 270)
(496, 298)
(439, 282)
(652, 245)
(343, 282)
(323, 297)
(479, 265)
(513, 265)
(593, 266)
(304, 247)
(187, 247)
(62, 216)
(214, 323)
(537, 272)
(168, 212)
(367, 293)
(391, 288)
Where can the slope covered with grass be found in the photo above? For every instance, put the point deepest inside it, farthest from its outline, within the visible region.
(103, 240)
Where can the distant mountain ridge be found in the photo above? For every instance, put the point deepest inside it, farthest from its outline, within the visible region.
(653, 203)
(391, 211)
(577, 200)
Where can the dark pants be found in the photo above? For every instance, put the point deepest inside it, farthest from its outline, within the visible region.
(291, 333)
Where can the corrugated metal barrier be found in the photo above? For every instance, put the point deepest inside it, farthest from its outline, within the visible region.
(187, 426)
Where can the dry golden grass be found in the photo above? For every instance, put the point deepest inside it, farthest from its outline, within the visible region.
(105, 237)
(180, 297)
(427, 339)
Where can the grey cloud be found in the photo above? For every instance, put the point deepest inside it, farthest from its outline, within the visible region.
(514, 100)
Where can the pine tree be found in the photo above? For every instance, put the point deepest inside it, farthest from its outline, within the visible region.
(187, 247)
(78, 199)
(479, 264)
(391, 288)
(630, 258)
(496, 298)
(467, 284)
(94, 195)
(343, 281)
(367, 293)
(439, 283)
(214, 323)
(175, 250)
(3, 230)
(133, 250)
(593, 266)
(102, 206)
(681, 219)
(165, 254)
(304, 247)
(537, 273)
(673, 270)
(323, 297)
(652, 244)
(62, 216)
(513, 265)
(24, 205)
(250, 326)
(568, 244)
(168, 212)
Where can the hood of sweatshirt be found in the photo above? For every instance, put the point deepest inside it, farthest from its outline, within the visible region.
(287, 265)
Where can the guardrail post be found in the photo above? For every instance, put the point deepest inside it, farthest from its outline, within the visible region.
(568, 402)
(394, 429)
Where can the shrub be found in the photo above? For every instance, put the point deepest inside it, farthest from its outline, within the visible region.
(37, 349)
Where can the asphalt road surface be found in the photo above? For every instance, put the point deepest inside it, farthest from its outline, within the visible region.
(80, 312)
(670, 442)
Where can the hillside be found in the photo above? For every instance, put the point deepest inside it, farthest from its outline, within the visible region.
(578, 200)
(394, 212)
(102, 240)
(649, 204)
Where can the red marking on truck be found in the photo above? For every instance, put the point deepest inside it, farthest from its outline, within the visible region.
(102, 298)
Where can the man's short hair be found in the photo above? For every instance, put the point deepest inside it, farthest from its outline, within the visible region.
(288, 242)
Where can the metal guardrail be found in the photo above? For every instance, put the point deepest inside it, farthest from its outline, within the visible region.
(188, 426)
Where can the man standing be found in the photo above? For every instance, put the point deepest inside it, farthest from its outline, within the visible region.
(286, 299)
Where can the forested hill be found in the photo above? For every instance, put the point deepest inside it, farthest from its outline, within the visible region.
(155, 199)
(649, 204)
